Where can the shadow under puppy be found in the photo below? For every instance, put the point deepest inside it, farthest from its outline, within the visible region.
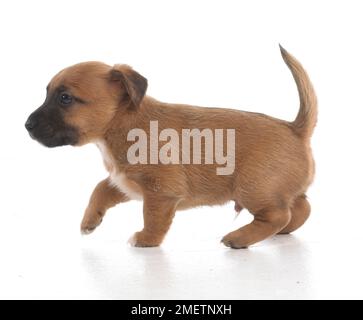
(92, 102)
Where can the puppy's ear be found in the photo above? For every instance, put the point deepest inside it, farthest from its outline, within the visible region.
(134, 83)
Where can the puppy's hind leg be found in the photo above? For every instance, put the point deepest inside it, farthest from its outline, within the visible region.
(300, 212)
(103, 197)
(266, 223)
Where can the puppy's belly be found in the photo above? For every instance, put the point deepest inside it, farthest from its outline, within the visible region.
(128, 187)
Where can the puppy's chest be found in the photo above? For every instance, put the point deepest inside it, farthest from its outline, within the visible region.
(117, 178)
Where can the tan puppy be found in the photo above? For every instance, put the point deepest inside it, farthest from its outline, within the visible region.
(95, 103)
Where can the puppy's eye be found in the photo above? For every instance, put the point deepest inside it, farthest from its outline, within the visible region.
(65, 99)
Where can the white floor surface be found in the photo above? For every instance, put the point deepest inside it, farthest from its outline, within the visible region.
(47, 258)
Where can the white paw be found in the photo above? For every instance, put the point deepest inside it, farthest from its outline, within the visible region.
(132, 240)
(87, 231)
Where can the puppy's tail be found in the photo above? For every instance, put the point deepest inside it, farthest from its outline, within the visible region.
(306, 119)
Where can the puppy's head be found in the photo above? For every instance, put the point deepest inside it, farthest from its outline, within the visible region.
(82, 100)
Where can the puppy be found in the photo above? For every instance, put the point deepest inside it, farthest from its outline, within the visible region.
(92, 102)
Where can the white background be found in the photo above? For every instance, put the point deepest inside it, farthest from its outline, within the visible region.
(199, 52)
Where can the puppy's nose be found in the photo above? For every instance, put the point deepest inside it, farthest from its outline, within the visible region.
(30, 124)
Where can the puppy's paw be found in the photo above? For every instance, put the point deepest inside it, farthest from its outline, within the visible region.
(85, 230)
(91, 221)
(132, 240)
(143, 240)
(234, 240)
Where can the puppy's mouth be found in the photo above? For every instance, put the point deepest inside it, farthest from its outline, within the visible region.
(55, 139)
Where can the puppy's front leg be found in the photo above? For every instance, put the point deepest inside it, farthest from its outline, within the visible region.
(158, 215)
(104, 196)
